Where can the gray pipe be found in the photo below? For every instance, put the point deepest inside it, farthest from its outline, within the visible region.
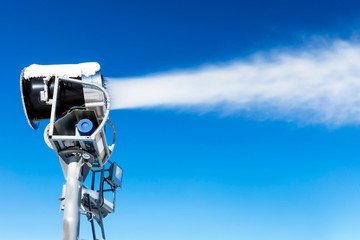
(74, 181)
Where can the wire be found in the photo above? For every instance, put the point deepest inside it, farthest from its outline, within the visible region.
(72, 108)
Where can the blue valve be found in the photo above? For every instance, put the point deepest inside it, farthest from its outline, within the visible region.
(85, 127)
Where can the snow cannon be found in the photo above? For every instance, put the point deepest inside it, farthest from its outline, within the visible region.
(73, 97)
(37, 84)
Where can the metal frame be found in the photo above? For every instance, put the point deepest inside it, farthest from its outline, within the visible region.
(100, 201)
(99, 132)
(73, 165)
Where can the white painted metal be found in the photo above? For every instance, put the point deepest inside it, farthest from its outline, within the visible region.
(71, 222)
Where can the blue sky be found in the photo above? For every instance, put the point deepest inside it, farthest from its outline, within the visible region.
(186, 175)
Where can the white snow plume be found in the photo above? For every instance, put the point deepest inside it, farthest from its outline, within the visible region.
(319, 85)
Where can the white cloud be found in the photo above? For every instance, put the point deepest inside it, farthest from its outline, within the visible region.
(310, 86)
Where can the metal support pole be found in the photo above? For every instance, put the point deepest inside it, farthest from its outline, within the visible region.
(74, 181)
